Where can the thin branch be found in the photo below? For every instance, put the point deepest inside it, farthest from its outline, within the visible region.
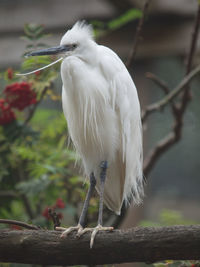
(21, 224)
(162, 84)
(137, 35)
(148, 244)
(27, 206)
(175, 92)
(186, 97)
(174, 136)
(193, 41)
(9, 193)
(162, 146)
(55, 218)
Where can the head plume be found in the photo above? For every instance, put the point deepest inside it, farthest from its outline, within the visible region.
(81, 31)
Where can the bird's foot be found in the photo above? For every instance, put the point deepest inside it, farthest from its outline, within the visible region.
(66, 231)
(94, 232)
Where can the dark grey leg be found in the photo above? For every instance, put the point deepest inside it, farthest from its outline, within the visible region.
(86, 203)
(99, 227)
(103, 166)
(81, 222)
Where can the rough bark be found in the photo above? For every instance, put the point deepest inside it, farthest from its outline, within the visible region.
(146, 244)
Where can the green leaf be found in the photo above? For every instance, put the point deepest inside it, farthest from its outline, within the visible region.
(130, 15)
(160, 264)
(34, 186)
(35, 62)
(75, 180)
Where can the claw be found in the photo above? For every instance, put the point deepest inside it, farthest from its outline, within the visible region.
(81, 231)
(68, 230)
(96, 230)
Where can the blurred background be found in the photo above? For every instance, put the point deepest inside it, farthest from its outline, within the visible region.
(172, 189)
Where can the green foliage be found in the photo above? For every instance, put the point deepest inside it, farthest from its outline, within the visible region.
(103, 27)
(167, 218)
(34, 32)
(130, 15)
(36, 165)
(171, 263)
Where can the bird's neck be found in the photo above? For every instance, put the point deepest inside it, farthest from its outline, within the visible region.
(90, 54)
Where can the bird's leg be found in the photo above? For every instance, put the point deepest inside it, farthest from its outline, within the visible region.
(81, 222)
(103, 166)
(86, 203)
(99, 226)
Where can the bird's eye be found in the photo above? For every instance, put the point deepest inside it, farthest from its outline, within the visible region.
(74, 46)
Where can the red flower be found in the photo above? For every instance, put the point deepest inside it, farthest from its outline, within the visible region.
(60, 203)
(6, 113)
(16, 227)
(60, 215)
(45, 213)
(37, 73)
(20, 95)
(10, 73)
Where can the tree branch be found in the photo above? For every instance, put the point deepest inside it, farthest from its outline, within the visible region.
(162, 84)
(19, 223)
(179, 111)
(194, 39)
(175, 92)
(9, 193)
(146, 244)
(137, 35)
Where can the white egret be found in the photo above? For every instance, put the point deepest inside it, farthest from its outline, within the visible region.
(102, 109)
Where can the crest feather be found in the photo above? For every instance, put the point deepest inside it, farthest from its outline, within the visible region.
(84, 27)
(80, 32)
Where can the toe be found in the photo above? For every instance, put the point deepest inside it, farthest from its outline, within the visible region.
(95, 231)
(69, 230)
(66, 232)
(83, 231)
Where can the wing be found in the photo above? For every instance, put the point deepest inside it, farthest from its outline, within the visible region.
(124, 99)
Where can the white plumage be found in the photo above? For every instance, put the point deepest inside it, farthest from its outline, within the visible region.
(102, 109)
(101, 106)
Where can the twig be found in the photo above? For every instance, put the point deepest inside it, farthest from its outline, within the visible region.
(162, 84)
(55, 218)
(137, 35)
(187, 95)
(19, 223)
(177, 90)
(174, 136)
(27, 206)
(162, 146)
(193, 41)
(9, 193)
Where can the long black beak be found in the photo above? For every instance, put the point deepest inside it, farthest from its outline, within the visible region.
(49, 51)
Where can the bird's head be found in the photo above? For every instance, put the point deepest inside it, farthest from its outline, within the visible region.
(77, 41)
(74, 42)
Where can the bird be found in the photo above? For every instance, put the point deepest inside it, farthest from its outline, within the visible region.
(102, 110)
